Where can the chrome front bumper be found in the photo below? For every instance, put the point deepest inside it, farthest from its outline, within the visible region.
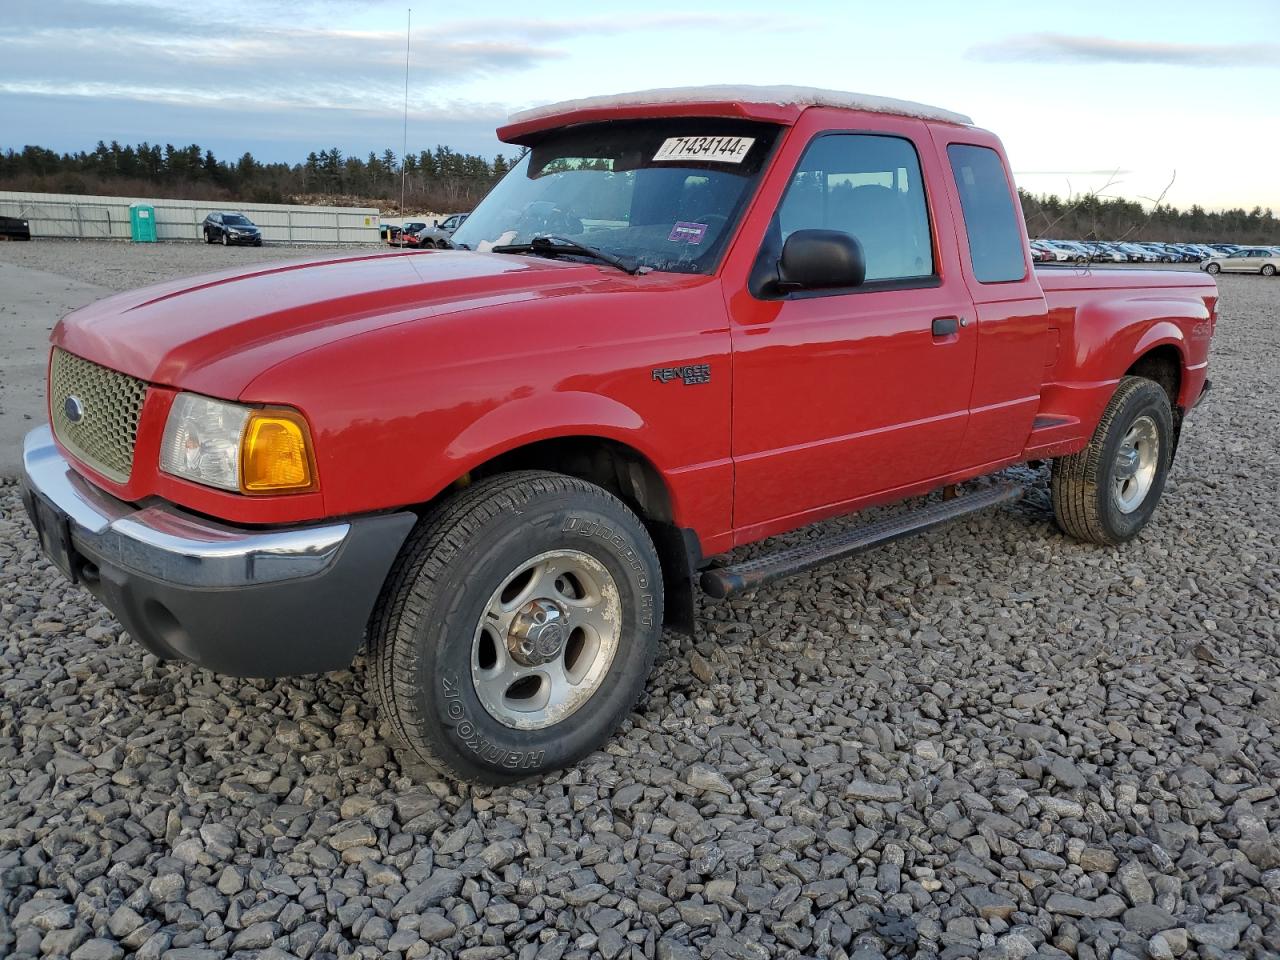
(251, 602)
(165, 542)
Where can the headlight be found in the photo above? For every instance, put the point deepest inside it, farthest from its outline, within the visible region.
(235, 447)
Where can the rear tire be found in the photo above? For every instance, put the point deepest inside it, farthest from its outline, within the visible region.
(447, 664)
(1108, 491)
(1268, 270)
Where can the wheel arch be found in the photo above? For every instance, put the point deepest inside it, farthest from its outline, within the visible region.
(1163, 363)
(630, 474)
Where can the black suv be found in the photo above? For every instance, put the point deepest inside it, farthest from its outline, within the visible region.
(14, 228)
(230, 228)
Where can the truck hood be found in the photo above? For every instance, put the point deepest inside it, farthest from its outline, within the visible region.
(213, 334)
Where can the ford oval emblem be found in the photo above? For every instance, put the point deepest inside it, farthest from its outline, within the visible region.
(73, 407)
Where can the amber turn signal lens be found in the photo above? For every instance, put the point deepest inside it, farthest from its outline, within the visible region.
(276, 453)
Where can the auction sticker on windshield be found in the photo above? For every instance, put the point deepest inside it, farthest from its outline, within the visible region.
(714, 149)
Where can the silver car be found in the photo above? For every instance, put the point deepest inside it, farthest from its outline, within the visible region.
(438, 232)
(1261, 260)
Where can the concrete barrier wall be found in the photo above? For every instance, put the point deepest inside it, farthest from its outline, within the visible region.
(98, 218)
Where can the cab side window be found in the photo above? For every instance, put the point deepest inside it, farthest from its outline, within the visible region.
(990, 221)
(869, 186)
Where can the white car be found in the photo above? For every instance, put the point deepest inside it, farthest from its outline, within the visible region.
(1102, 253)
(1261, 260)
(1139, 253)
(1156, 250)
(1064, 250)
(437, 234)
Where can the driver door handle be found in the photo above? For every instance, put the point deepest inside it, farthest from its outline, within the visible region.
(946, 326)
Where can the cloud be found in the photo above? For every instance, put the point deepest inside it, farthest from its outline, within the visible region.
(1067, 48)
(301, 68)
(311, 64)
(254, 58)
(152, 55)
(71, 122)
(20, 18)
(541, 29)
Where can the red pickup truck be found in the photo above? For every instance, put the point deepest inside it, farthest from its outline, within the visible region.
(685, 321)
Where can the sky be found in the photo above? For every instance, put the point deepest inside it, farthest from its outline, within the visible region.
(1131, 99)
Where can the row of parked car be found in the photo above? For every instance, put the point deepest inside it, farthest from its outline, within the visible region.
(1103, 251)
(420, 233)
(236, 228)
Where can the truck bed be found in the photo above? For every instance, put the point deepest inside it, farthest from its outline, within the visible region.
(1068, 277)
(1096, 314)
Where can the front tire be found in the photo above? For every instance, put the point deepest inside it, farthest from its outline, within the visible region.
(225, 241)
(517, 628)
(1213, 268)
(1108, 491)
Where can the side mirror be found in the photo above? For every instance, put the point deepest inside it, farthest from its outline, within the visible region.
(821, 260)
(435, 223)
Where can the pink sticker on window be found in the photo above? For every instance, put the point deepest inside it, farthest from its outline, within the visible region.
(685, 232)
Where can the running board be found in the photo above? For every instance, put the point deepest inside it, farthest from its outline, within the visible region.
(721, 582)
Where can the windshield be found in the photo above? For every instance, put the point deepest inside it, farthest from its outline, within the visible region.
(235, 220)
(663, 193)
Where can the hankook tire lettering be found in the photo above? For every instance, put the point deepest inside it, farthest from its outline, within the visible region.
(474, 741)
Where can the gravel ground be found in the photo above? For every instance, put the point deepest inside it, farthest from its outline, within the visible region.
(123, 266)
(989, 741)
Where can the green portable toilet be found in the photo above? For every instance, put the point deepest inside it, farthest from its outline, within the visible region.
(142, 223)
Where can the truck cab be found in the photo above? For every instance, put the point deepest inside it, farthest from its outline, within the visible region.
(684, 322)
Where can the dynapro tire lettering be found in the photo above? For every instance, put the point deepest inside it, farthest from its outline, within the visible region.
(582, 527)
(475, 741)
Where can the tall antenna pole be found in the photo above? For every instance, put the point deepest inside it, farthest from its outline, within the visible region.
(404, 149)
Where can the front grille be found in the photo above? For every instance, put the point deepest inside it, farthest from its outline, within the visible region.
(108, 403)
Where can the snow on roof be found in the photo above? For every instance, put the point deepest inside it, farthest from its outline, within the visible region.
(784, 95)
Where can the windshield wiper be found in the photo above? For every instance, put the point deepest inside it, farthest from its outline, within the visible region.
(552, 245)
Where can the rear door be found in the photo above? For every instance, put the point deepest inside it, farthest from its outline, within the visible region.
(1238, 261)
(844, 395)
(1012, 317)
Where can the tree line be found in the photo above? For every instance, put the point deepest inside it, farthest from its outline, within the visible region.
(445, 180)
(436, 180)
(1092, 217)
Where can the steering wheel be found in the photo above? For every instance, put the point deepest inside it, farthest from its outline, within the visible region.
(543, 216)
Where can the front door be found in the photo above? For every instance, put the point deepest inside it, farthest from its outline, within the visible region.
(840, 396)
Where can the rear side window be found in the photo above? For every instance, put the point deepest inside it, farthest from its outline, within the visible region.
(990, 220)
(869, 186)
